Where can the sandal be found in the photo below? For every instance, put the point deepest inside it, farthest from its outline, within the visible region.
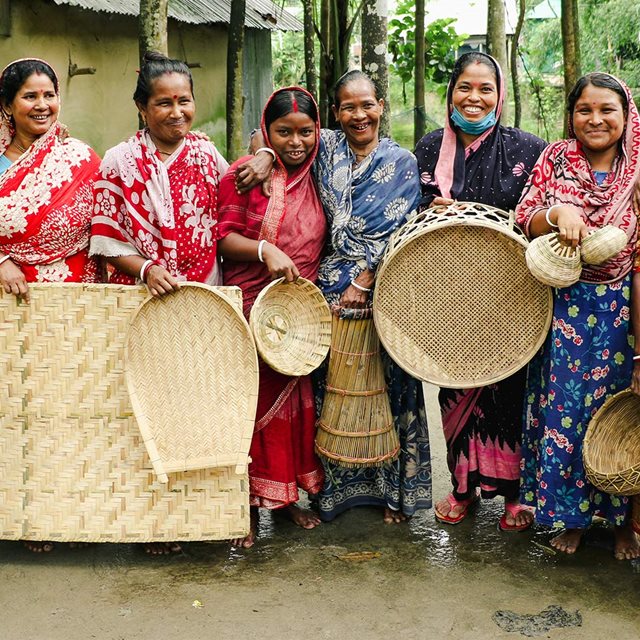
(453, 503)
(514, 510)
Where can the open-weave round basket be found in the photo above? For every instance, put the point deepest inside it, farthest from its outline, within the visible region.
(603, 244)
(291, 324)
(611, 450)
(553, 263)
(454, 302)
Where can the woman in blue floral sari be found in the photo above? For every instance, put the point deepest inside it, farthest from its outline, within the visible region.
(368, 187)
(577, 185)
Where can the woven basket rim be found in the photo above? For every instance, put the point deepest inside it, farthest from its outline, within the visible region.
(242, 459)
(293, 367)
(437, 225)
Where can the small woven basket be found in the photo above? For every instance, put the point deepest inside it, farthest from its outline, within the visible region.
(291, 324)
(611, 450)
(603, 244)
(356, 426)
(552, 262)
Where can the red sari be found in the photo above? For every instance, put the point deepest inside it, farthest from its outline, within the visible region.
(282, 449)
(165, 212)
(46, 207)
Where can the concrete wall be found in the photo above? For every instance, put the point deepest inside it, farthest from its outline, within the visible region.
(99, 108)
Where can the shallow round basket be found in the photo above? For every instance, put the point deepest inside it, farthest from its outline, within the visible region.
(603, 244)
(553, 263)
(454, 302)
(611, 450)
(291, 324)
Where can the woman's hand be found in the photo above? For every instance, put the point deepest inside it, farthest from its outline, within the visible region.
(278, 263)
(439, 200)
(160, 281)
(255, 171)
(571, 226)
(353, 298)
(13, 281)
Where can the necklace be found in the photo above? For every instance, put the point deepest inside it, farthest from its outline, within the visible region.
(19, 147)
(164, 153)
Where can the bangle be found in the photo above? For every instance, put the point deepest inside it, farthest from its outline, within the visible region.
(146, 265)
(260, 248)
(548, 218)
(268, 150)
(359, 287)
(636, 357)
(5, 258)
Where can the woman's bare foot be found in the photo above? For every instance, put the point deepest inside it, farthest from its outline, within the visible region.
(161, 548)
(303, 517)
(391, 516)
(627, 545)
(568, 541)
(38, 546)
(250, 539)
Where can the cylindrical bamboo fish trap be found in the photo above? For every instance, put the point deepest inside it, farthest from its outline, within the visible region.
(356, 425)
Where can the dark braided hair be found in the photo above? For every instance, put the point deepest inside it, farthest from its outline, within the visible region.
(282, 103)
(155, 65)
(17, 73)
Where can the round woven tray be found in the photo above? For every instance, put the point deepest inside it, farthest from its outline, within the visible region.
(455, 303)
(291, 324)
(611, 450)
(192, 374)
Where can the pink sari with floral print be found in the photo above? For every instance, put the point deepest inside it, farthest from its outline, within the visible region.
(162, 211)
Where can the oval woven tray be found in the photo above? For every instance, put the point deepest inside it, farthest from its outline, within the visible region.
(291, 324)
(192, 373)
(454, 302)
(611, 450)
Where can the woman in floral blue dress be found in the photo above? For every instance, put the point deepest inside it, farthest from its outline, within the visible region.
(577, 185)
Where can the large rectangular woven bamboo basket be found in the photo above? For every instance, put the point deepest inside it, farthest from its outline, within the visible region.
(73, 466)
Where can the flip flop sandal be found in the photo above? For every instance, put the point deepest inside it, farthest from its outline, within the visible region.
(513, 510)
(466, 504)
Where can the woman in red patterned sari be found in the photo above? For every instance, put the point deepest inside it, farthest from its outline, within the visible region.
(45, 185)
(264, 238)
(155, 212)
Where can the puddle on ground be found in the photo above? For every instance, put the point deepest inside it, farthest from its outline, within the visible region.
(553, 617)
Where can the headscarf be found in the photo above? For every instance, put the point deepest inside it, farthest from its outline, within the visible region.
(563, 175)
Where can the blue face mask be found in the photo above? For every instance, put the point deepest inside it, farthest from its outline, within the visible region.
(473, 128)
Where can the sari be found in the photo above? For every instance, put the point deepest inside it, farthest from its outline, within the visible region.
(282, 448)
(482, 426)
(162, 211)
(46, 208)
(365, 204)
(587, 356)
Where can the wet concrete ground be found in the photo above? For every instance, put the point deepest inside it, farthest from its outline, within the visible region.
(355, 578)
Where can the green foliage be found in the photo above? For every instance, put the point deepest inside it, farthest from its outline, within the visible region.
(441, 44)
(288, 58)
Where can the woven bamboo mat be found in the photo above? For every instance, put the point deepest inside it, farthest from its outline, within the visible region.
(73, 465)
(192, 372)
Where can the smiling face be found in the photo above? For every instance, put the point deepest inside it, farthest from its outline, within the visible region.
(359, 113)
(170, 110)
(293, 138)
(475, 93)
(598, 119)
(35, 106)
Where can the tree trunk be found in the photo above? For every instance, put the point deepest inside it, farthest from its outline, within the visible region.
(570, 47)
(152, 27)
(326, 62)
(517, 102)
(235, 49)
(419, 114)
(497, 40)
(311, 76)
(374, 54)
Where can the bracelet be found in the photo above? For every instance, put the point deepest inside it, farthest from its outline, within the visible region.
(359, 287)
(636, 357)
(260, 248)
(268, 150)
(547, 217)
(5, 258)
(146, 265)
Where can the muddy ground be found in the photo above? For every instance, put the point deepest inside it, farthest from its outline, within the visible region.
(352, 579)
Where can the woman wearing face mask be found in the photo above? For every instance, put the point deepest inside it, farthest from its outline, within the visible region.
(580, 184)
(474, 158)
(264, 238)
